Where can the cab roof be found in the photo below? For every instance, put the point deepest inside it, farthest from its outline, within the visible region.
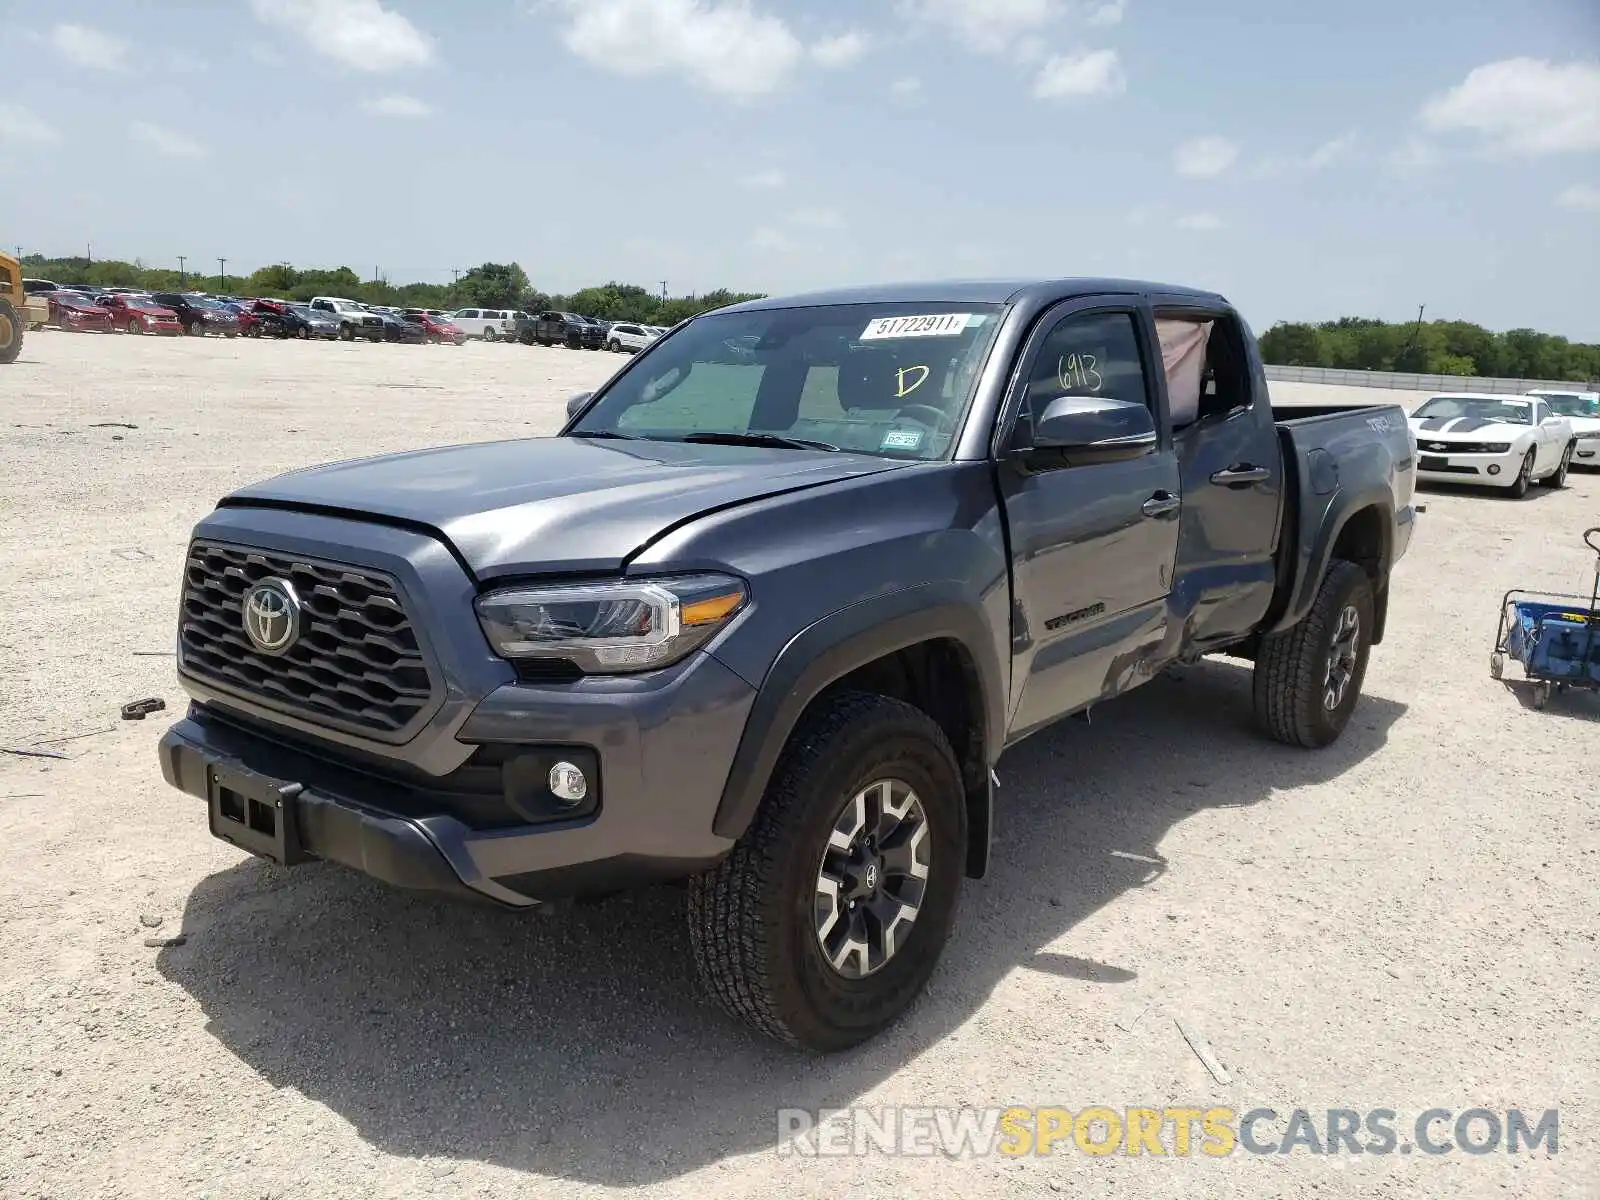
(977, 291)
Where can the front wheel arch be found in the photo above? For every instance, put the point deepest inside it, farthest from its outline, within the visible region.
(904, 646)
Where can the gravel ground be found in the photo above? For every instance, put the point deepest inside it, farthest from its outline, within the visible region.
(1403, 921)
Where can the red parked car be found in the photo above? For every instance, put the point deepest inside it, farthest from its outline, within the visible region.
(140, 314)
(437, 328)
(74, 310)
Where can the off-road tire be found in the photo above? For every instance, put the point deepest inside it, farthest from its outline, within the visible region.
(751, 926)
(1291, 667)
(10, 333)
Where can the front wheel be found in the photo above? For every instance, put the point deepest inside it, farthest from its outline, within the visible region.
(1308, 678)
(614, 346)
(10, 333)
(1524, 479)
(134, 326)
(1558, 478)
(197, 329)
(491, 334)
(828, 917)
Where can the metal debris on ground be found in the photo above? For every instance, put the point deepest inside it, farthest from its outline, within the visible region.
(1202, 1051)
(72, 737)
(112, 425)
(27, 753)
(137, 710)
(161, 943)
(134, 554)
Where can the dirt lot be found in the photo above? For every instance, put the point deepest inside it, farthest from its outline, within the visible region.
(1404, 921)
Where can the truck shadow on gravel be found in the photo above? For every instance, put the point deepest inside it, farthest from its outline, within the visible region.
(576, 1045)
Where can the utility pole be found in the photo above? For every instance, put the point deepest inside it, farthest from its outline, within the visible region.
(455, 276)
(88, 253)
(222, 269)
(663, 291)
(19, 253)
(183, 276)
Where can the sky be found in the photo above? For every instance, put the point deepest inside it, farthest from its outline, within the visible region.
(1309, 161)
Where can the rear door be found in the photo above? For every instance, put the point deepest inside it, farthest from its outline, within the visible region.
(1230, 467)
(1092, 545)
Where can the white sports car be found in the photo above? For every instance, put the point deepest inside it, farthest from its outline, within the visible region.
(1493, 441)
(1583, 410)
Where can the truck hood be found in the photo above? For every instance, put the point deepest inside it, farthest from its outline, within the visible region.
(554, 504)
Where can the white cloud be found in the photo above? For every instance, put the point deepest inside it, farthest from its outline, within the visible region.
(1109, 13)
(1205, 157)
(772, 241)
(1084, 73)
(720, 46)
(839, 51)
(1580, 197)
(90, 48)
(360, 34)
(403, 107)
(817, 218)
(1415, 155)
(1523, 106)
(1331, 151)
(165, 141)
(906, 91)
(987, 25)
(766, 180)
(1199, 222)
(19, 124)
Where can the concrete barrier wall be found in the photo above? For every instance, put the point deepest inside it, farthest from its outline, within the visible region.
(1397, 381)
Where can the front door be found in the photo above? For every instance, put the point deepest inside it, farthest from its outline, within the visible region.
(1092, 545)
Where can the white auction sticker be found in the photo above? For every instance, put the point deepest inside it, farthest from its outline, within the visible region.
(937, 325)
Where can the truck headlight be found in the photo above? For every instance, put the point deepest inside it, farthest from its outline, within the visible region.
(608, 628)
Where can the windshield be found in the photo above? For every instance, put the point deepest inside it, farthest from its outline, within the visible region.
(208, 304)
(870, 378)
(1570, 404)
(144, 304)
(1504, 412)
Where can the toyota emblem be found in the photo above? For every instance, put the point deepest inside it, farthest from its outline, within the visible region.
(271, 613)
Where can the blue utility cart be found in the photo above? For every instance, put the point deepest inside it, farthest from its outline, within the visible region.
(1555, 636)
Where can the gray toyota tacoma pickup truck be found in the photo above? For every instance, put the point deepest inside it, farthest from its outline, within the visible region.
(765, 613)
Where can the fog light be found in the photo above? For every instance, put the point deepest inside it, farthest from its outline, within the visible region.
(567, 783)
(1494, 468)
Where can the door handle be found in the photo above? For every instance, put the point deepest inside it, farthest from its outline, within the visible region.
(1162, 504)
(1242, 475)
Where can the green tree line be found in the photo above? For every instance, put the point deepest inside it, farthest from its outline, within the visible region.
(491, 285)
(1430, 348)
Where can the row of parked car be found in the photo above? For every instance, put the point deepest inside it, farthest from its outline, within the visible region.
(130, 310)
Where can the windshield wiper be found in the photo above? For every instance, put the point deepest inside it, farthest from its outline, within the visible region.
(757, 439)
(604, 433)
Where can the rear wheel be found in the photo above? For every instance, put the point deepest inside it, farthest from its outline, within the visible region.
(302, 332)
(10, 333)
(197, 328)
(491, 334)
(1308, 678)
(828, 918)
(614, 346)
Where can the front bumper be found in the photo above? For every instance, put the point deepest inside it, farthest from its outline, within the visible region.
(662, 743)
(1587, 452)
(1486, 470)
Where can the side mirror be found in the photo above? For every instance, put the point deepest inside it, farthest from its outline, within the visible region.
(577, 402)
(1089, 429)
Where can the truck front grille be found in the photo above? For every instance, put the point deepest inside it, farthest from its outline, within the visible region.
(356, 665)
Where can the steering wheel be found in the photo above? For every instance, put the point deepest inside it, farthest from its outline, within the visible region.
(926, 414)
